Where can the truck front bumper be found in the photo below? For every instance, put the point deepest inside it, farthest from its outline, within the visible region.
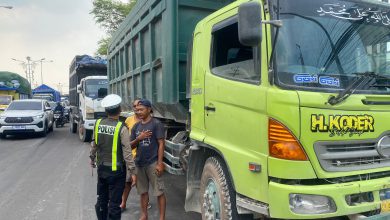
(279, 203)
(89, 124)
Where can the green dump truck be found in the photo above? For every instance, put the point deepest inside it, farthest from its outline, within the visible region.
(12, 87)
(274, 108)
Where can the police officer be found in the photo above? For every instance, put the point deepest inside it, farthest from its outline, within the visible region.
(112, 151)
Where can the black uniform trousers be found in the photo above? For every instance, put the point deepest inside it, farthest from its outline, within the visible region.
(110, 188)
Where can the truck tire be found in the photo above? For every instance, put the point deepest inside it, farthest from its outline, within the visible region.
(73, 127)
(3, 136)
(51, 129)
(217, 195)
(85, 135)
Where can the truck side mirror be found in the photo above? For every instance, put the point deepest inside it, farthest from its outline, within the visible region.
(79, 89)
(249, 24)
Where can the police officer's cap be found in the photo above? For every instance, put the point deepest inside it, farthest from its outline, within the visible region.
(111, 101)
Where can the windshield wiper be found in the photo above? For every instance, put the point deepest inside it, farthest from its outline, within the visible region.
(363, 79)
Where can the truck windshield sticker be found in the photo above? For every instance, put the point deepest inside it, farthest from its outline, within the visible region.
(368, 15)
(340, 125)
(314, 78)
(305, 78)
(329, 81)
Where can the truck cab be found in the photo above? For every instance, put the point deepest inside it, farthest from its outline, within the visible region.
(292, 105)
(273, 108)
(91, 91)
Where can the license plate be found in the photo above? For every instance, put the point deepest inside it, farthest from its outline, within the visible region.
(56, 116)
(385, 206)
(19, 127)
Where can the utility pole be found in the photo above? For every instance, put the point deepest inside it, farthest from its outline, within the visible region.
(47, 61)
(59, 87)
(29, 67)
(30, 70)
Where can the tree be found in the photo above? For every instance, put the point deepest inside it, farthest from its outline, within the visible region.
(103, 46)
(109, 14)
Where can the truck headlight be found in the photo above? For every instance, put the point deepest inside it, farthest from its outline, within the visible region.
(2, 117)
(39, 116)
(311, 204)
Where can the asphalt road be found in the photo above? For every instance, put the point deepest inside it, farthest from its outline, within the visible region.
(49, 178)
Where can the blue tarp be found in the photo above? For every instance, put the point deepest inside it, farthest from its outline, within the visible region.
(87, 60)
(47, 90)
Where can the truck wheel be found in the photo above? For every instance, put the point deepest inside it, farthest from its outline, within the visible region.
(51, 127)
(85, 135)
(73, 127)
(216, 192)
(57, 124)
(3, 136)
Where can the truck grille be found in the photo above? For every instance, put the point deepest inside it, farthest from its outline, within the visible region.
(19, 120)
(349, 156)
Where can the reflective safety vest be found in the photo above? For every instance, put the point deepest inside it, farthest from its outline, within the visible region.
(107, 140)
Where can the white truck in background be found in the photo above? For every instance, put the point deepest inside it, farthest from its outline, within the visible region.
(88, 85)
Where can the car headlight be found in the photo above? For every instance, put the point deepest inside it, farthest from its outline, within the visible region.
(39, 116)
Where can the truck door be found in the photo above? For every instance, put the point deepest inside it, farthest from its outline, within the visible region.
(235, 105)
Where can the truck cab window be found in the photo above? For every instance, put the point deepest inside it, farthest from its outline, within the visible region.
(231, 59)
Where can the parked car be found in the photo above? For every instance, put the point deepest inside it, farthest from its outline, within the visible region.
(27, 116)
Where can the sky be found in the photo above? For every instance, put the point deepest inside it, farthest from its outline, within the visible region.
(52, 29)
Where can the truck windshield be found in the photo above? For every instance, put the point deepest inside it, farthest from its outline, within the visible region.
(25, 106)
(324, 45)
(96, 88)
(5, 100)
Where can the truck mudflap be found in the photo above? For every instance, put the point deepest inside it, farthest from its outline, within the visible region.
(348, 199)
(172, 157)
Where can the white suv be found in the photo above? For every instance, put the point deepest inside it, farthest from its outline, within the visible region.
(27, 116)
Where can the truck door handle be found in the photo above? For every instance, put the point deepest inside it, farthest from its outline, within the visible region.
(208, 108)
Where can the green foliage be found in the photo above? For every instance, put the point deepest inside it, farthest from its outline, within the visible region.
(103, 46)
(109, 14)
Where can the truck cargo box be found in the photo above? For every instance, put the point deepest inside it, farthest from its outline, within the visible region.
(148, 54)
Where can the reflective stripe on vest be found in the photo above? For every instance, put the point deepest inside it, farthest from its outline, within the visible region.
(115, 146)
(96, 130)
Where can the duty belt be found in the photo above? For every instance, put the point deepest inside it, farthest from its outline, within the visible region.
(110, 164)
